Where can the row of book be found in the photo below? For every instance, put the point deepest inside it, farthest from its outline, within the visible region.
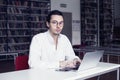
(89, 36)
(90, 43)
(93, 21)
(15, 40)
(18, 25)
(90, 15)
(26, 25)
(3, 33)
(42, 3)
(25, 10)
(40, 0)
(22, 47)
(23, 17)
(38, 18)
(3, 24)
(36, 31)
(37, 25)
(3, 2)
(2, 49)
(89, 32)
(22, 26)
(19, 32)
(18, 40)
(90, 26)
(3, 40)
(17, 10)
(3, 9)
(3, 16)
(10, 48)
(16, 17)
(39, 11)
(18, 2)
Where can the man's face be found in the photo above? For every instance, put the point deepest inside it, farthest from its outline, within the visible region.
(56, 24)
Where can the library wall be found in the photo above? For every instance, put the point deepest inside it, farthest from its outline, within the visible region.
(72, 6)
(20, 20)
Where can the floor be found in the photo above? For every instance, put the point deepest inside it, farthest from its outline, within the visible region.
(8, 65)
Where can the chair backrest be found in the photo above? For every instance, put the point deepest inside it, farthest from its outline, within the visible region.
(21, 62)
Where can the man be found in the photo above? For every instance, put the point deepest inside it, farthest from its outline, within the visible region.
(52, 49)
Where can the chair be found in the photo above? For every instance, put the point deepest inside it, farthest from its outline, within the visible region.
(21, 62)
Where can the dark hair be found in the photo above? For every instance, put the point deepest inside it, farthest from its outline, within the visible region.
(54, 12)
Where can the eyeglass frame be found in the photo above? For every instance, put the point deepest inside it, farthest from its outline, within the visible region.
(55, 23)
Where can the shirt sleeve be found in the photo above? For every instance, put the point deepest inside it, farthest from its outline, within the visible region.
(70, 54)
(35, 56)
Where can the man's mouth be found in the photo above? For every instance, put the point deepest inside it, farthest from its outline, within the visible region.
(58, 30)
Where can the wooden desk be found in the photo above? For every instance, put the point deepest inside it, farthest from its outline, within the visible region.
(51, 74)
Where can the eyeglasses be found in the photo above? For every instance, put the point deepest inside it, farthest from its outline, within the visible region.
(55, 23)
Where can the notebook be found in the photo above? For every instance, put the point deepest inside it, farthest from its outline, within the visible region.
(90, 60)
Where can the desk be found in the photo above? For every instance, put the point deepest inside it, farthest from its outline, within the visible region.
(50, 74)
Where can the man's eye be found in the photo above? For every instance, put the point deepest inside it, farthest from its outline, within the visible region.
(61, 23)
(54, 22)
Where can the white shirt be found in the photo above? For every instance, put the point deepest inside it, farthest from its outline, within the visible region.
(43, 52)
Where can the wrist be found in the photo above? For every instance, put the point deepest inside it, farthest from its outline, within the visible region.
(61, 64)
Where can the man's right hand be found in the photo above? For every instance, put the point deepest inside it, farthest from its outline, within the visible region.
(69, 64)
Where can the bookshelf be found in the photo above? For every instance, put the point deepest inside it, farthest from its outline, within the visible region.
(96, 22)
(39, 11)
(106, 22)
(116, 37)
(19, 21)
(89, 22)
(18, 30)
(3, 26)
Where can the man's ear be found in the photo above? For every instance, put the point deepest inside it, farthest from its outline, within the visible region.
(47, 24)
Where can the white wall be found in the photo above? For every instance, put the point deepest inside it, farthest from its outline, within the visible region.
(73, 6)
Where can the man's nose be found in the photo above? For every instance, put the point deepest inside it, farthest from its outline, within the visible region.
(58, 25)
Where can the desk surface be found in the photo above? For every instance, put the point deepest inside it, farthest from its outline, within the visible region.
(50, 74)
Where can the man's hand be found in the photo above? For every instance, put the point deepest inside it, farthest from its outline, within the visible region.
(64, 64)
(72, 64)
(76, 61)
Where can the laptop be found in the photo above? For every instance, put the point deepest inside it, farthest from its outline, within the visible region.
(90, 60)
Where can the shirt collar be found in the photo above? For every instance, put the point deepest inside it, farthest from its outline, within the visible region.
(50, 38)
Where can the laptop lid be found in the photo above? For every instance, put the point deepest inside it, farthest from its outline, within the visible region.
(90, 60)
